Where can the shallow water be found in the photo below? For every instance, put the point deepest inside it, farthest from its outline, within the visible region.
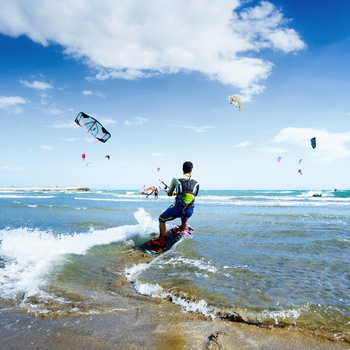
(274, 258)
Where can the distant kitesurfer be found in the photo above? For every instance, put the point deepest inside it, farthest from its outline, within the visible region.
(185, 188)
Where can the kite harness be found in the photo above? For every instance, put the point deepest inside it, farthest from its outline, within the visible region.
(186, 191)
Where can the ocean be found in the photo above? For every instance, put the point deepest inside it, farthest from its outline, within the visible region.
(267, 258)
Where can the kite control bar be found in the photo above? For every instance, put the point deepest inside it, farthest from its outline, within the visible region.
(165, 185)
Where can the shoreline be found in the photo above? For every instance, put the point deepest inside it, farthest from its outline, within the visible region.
(43, 189)
(149, 324)
(137, 321)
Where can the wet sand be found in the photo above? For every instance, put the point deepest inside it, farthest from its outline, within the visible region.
(148, 324)
(141, 322)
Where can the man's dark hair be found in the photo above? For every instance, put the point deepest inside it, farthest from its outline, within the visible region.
(187, 167)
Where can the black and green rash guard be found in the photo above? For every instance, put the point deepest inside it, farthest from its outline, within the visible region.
(185, 187)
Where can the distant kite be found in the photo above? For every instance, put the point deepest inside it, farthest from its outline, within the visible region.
(300, 160)
(108, 157)
(83, 156)
(93, 127)
(313, 142)
(148, 190)
(158, 169)
(300, 172)
(234, 100)
(279, 159)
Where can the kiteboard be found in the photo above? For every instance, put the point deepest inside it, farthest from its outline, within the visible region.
(172, 236)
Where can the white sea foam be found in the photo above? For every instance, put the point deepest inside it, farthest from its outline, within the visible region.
(133, 271)
(152, 290)
(25, 196)
(29, 254)
(260, 199)
(200, 306)
(281, 314)
(199, 264)
(156, 291)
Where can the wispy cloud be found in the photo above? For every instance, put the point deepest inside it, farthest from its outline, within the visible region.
(274, 150)
(200, 129)
(243, 144)
(11, 169)
(71, 139)
(43, 89)
(63, 124)
(93, 93)
(37, 85)
(52, 110)
(46, 147)
(136, 121)
(106, 121)
(12, 103)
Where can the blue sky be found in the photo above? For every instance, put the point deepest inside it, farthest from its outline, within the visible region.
(158, 77)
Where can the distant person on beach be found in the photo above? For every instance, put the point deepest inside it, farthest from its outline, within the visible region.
(155, 192)
(185, 188)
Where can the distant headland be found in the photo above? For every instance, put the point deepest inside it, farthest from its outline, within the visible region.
(48, 189)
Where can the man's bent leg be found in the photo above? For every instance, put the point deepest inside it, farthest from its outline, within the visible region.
(183, 226)
(162, 229)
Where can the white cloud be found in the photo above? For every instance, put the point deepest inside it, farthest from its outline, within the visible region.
(243, 144)
(71, 139)
(46, 148)
(37, 85)
(63, 124)
(199, 129)
(266, 27)
(107, 121)
(52, 110)
(136, 121)
(285, 39)
(247, 93)
(139, 39)
(42, 88)
(277, 150)
(12, 103)
(11, 169)
(329, 146)
(89, 139)
(93, 93)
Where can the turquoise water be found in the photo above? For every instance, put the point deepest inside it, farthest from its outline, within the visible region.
(272, 258)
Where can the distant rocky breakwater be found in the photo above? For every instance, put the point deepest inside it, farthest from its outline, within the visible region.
(48, 189)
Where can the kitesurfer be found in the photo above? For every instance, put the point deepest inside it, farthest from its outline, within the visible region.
(185, 188)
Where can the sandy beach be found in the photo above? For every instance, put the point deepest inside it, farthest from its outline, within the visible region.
(148, 324)
(142, 322)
